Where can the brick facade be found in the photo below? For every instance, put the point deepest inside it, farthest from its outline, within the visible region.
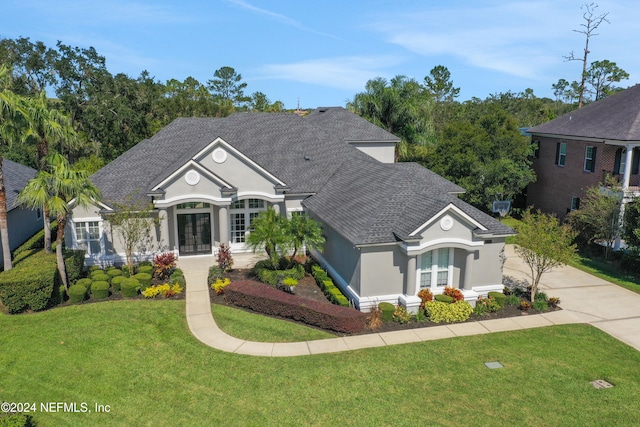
(557, 185)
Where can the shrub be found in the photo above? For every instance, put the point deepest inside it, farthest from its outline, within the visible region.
(425, 295)
(265, 274)
(401, 315)
(130, 287)
(30, 284)
(77, 293)
(163, 265)
(95, 271)
(444, 312)
(330, 290)
(215, 273)
(145, 268)
(113, 273)
(178, 277)
(454, 293)
(36, 242)
(101, 277)
(540, 306)
(553, 302)
(541, 296)
(84, 282)
(100, 289)
(220, 284)
(443, 298)
(524, 305)
(487, 305)
(224, 257)
(499, 297)
(116, 283)
(144, 279)
(16, 420)
(74, 263)
(375, 318)
(387, 309)
(268, 300)
(165, 290)
(512, 300)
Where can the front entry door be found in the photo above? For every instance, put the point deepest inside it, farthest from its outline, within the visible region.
(194, 233)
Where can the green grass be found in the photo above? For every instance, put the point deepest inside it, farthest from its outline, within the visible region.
(139, 358)
(256, 327)
(608, 272)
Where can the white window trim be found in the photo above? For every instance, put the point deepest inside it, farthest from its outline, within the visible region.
(100, 231)
(434, 288)
(561, 155)
(246, 211)
(587, 158)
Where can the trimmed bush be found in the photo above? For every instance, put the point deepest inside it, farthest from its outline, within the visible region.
(84, 282)
(36, 242)
(443, 298)
(101, 277)
(100, 289)
(114, 272)
(74, 263)
(265, 274)
(130, 287)
(144, 279)
(95, 272)
(116, 283)
(387, 309)
(268, 300)
(145, 269)
(178, 277)
(499, 297)
(77, 293)
(330, 290)
(30, 284)
(445, 312)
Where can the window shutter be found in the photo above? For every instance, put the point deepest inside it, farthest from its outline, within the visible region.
(616, 163)
(593, 159)
(557, 153)
(635, 162)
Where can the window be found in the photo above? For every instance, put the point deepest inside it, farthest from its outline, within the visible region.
(590, 159)
(193, 205)
(561, 153)
(575, 203)
(88, 236)
(242, 213)
(436, 268)
(621, 160)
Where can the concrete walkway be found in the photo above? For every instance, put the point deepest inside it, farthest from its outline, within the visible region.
(584, 299)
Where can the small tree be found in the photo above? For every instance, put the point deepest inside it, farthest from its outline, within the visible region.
(598, 217)
(304, 230)
(632, 224)
(268, 233)
(543, 243)
(133, 221)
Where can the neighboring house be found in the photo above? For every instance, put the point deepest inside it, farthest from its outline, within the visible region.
(22, 223)
(582, 148)
(391, 229)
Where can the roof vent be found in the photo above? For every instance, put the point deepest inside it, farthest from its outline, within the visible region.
(307, 158)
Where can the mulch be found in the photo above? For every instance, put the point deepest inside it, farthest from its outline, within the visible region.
(308, 288)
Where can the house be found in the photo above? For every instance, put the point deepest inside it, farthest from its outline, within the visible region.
(22, 223)
(582, 148)
(391, 229)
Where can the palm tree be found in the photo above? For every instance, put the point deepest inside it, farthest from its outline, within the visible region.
(47, 125)
(11, 121)
(57, 189)
(304, 230)
(268, 232)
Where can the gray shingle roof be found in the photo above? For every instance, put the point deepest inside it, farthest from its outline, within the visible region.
(616, 117)
(15, 178)
(350, 126)
(371, 202)
(365, 200)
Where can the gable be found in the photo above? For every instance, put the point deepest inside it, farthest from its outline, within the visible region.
(192, 181)
(449, 228)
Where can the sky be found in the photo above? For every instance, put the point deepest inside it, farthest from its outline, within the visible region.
(321, 53)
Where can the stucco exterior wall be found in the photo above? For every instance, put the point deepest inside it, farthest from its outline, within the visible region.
(343, 257)
(383, 152)
(179, 190)
(383, 270)
(22, 224)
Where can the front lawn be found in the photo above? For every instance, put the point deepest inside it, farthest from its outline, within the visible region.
(139, 358)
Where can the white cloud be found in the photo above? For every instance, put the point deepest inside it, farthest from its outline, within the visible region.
(350, 73)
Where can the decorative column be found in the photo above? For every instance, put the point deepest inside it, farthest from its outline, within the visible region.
(468, 270)
(410, 300)
(627, 168)
(626, 178)
(223, 219)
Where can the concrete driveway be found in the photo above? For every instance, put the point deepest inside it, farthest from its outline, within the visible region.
(609, 307)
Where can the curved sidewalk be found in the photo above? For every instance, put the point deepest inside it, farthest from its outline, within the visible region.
(578, 307)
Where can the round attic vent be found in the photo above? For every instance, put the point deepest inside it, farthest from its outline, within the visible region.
(446, 223)
(192, 177)
(219, 155)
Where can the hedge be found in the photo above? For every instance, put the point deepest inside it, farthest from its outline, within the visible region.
(499, 297)
(29, 285)
(268, 300)
(100, 277)
(77, 293)
(114, 272)
(331, 291)
(144, 268)
(266, 274)
(35, 242)
(387, 309)
(178, 277)
(144, 279)
(116, 283)
(84, 282)
(74, 263)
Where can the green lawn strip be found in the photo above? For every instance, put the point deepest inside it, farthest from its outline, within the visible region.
(256, 327)
(607, 272)
(139, 358)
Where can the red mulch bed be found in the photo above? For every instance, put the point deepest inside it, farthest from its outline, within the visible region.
(308, 288)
